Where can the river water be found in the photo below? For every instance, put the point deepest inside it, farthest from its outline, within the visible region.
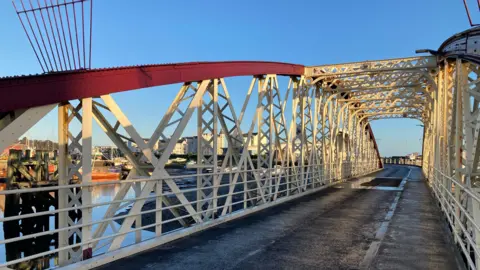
(106, 193)
(100, 194)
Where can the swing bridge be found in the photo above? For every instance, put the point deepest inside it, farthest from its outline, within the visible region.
(313, 135)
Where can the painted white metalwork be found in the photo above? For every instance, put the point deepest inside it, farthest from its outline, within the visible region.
(399, 64)
(452, 151)
(15, 124)
(74, 166)
(327, 139)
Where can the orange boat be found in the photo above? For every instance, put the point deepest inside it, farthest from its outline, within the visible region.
(105, 176)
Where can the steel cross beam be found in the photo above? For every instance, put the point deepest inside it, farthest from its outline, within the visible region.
(410, 63)
(376, 80)
(267, 161)
(317, 134)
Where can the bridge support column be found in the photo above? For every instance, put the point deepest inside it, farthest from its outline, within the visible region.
(74, 166)
(319, 135)
(460, 82)
(469, 93)
(207, 147)
(303, 131)
(265, 139)
(327, 129)
(272, 138)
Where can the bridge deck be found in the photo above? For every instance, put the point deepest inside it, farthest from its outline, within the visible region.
(348, 226)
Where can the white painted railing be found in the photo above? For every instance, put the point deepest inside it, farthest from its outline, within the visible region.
(461, 206)
(154, 223)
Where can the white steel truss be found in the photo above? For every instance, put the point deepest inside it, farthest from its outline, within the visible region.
(324, 136)
(452, 151)
(284, 153)
(74, 166)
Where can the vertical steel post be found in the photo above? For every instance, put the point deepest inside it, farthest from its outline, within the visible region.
(458, 136)
(62, 181)
(271, 129)
(216, 179)
(159, 207)
(87, 117)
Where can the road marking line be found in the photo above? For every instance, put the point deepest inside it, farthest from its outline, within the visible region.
(375, 245)
(375, 188)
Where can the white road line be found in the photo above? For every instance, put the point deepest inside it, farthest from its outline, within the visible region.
(375, 245)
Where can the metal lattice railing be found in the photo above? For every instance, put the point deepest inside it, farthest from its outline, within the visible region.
(247, 196)
(461, 206)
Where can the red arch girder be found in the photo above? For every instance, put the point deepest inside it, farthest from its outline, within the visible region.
(37, 90)
(370, 131)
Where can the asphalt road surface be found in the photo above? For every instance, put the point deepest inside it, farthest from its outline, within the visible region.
(375, 222)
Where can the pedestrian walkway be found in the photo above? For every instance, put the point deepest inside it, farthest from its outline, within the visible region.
(417, 237)
(347, 226)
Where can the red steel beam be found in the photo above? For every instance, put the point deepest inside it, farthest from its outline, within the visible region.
(380, 165)
(37, 90)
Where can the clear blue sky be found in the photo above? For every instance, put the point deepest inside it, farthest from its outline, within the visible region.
(128, 32)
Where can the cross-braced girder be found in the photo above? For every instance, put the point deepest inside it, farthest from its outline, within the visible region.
(388, 87)
(298, 138)
(411, 63)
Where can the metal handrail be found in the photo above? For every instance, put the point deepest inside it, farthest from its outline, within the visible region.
(318, 177)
